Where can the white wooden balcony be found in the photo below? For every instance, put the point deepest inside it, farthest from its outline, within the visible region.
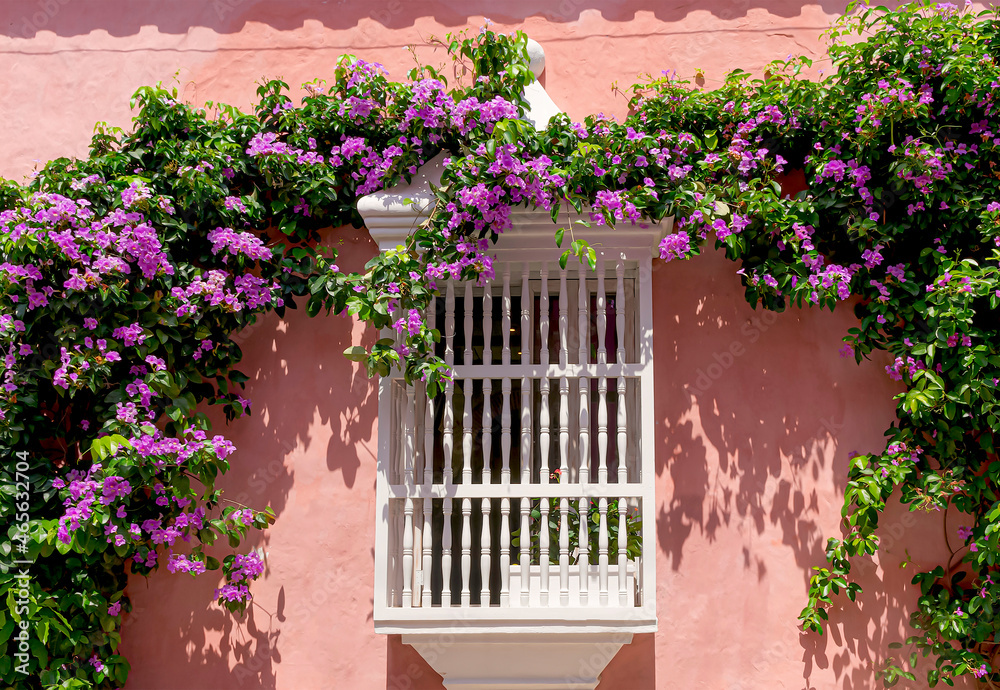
(501, 503)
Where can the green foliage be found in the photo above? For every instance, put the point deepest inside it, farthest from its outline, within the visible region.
(902, 213)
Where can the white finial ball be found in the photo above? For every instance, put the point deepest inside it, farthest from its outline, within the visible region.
(537, 57)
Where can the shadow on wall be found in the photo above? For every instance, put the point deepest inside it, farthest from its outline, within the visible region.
(759, 415)
(127, 17)
(299, 380)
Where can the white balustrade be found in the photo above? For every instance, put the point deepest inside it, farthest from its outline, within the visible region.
(453, 540)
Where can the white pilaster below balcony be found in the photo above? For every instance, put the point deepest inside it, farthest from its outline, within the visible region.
(543, 661)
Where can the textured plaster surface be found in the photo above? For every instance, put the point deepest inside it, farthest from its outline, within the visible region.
(756, 412)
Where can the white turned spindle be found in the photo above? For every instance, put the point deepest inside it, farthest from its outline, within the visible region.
(485, 546)
(505, 316)
(564, 552)
(583, 320)
(487, 444)
(620, 312)
(622, 432)
(449, 323)
(602, 430)
(544, 423)
(544, 552)
(602, 549)
(428, 546)
(446, 555)
(622, 553)
(543, 433)
(487, 323)
(526, 430)
(602, 315)
(487, 477)
(583, 555)
(429, 424)
(466, 561)
(584, 430)
(505, 552)
(467, 311)
(563, 321)
(525, 550)
(526, 392)
(409, 437)
(505, 433)
(418, 542)
(543, 315)
(563, 429)
(526, 304)
(447, 437)
(408, 553)
(397, 565)
(467, 432)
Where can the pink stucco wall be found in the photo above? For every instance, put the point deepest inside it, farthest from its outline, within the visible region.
(757, 412)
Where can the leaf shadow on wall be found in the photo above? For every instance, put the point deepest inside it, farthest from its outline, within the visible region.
(126, 17)
(758, 414)
(299, 382)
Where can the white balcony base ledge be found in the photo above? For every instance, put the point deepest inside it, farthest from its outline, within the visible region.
(519, 660)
